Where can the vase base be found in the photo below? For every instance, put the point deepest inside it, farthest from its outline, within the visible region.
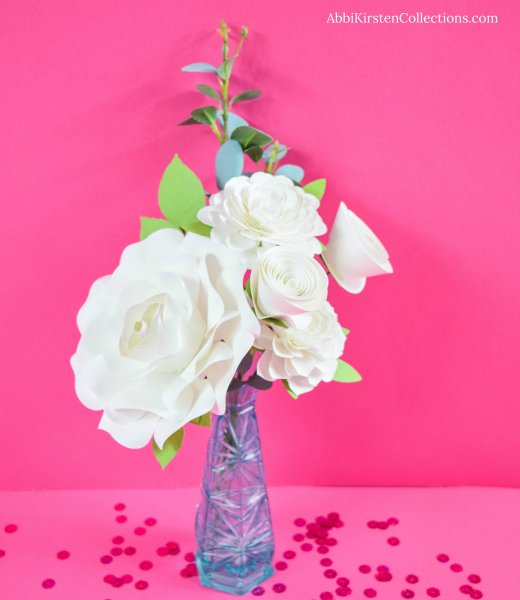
(232, 584)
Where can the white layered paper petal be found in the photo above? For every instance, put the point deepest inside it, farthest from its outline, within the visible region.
(162, 336)
(354, 252)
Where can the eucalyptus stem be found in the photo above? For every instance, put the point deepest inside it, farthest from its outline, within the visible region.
(273, 158)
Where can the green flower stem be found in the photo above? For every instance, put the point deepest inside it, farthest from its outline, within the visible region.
(273, 158)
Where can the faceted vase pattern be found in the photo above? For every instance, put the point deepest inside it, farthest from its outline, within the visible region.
(233, 525)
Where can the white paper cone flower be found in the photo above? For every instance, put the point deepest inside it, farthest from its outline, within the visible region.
(354, 252)
(303, 355)
(285, 283)
(252, 213)
(162, 337)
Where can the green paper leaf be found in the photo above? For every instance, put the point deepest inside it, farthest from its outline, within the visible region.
(248, 288)
(205, 115)
(203, 420)
(149, 226)
(190, 121)
(170, 449)
(181, 194)
(345, 330)
(316, 188)
(323, 247)
(224, 71)
(243, 96)
(289, 390)
(207, 90)
(345, 373)
(199, 228)
(249, 136)
(275, 321)
(254, 153)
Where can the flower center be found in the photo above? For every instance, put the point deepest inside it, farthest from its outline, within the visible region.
(141, 324)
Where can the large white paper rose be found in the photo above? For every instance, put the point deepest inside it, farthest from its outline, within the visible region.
(262, 211)
(354, 252)
(162, 337)
(303, 355)
(285, 283)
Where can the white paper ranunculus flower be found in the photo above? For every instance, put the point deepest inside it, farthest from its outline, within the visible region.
(262, 211)
(303, 355)
(354, 252)
(162, 336)
(285, 283)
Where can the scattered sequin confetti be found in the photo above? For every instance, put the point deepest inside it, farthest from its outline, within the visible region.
(412, 578)
(456, 568)
(370, 593)
(365, 569)
(63, 554)
(279, 588)
(258, 591)
(289, 554)
(130, 550)
(433, 592)
(474, 578)
(145, 565)
(443, 558)
(393, 541)
(280, 565)
(48, 583)
(139, 531)
(408, 594)
(119, 506)
(11, 528)
(150, 521)
(141, 584)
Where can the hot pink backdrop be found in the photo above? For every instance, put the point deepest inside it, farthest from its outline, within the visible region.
(415, 127)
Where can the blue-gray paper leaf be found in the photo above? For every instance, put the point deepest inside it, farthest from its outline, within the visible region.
(229, 162)
(282, 151)
(234, 121)
(199, 68)
(292, 171)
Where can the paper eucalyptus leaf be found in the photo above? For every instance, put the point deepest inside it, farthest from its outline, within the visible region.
(282, 151)
(199, 68)
(243, 96)
(207, 90)
(292, 171)
(249, 136)
(259, 383)
(149, 226)
(245, 363)
(254, 153)
(170, 448)
(190, 121)
(345, 373)
(203, 420)
(316, 188)
(224, 71)
(229, 162)
(289, 390)
(205, 115)
(181, 194)
(234, 121)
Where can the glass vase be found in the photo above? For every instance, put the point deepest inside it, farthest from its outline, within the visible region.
(235, 542)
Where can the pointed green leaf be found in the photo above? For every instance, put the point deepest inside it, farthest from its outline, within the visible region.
(205, 115)
(181, 194)
(316, 188)
(190, 121)
(275, 321)
(346, 373)
(207, 90)
(199, 228)
(149, 226)
(170, 449)
(289, 390)
(243, 96)
(254, 153)
(224, 71)
(249, 136)
(345, 330)
(203, 420)
(248, 288)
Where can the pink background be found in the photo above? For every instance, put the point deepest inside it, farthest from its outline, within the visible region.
(415, 127)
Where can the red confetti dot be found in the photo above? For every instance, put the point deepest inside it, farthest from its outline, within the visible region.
(331, 541)
(150, 521)
(48, 583)
(121, 518)
(258, 591)
(334, 516)
(279, 588)
(373, 524)
(382, 525)
(2, 553)
(306, 547)
(456, 568)
(343, 581)
(326, 596)
(443, 558)
(139, 531)
(299, 522)
(393, 521)
(141, 584)
(477, 594)
(326, 562)
(323, 549)
(173, 548)
(163, 551)
(189, 557)
(185, 574)
(433, 592)
(393, 541)
(330, 574)
(474, 578)
(130, 550)
(298, 537)
(383, 568)
(289, 554)
(280, 565)
(116, 551)
(109, 578)
(119, 539)
(466, 589)
(119, 506)
(339, 523)
(365, 569)
(408, 594)
(106, 559)
(146, 565)
(192, 569)
(412, 578)
(11, 528)
(384, 576)
(343, 591)
(127, 579)
(370, 593)
(63, 554)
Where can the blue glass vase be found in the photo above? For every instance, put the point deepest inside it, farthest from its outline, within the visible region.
(235, 542)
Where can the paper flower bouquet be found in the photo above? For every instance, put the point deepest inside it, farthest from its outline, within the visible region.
(223, 296)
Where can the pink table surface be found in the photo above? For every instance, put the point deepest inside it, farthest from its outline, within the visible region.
(479, 528)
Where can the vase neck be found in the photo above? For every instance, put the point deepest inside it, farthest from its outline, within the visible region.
(242, 398)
